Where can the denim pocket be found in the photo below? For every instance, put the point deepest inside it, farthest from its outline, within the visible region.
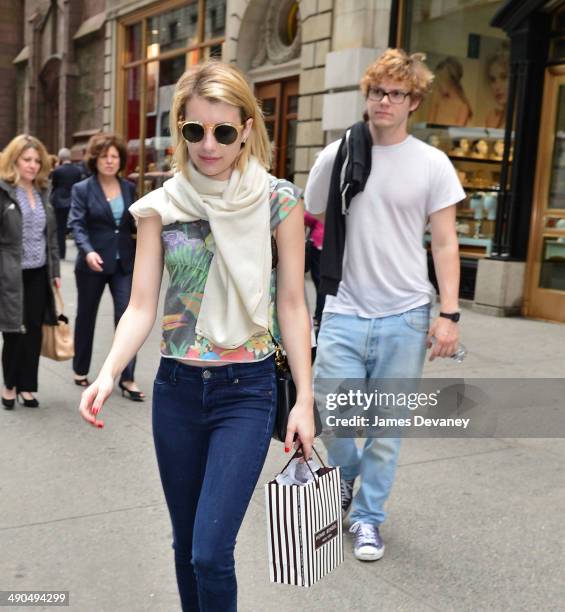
(328, 316)
(258, 387)
(418, 319)
(163, 375)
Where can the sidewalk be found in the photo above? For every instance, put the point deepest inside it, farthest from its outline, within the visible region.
(473, 524)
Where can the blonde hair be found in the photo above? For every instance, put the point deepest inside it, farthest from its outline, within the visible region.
(11, 153)
(397, 65)
(219, 82)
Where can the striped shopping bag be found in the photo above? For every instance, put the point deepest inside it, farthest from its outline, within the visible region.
(304, 530)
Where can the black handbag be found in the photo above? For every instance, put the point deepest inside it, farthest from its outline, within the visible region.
(286, 396)
(286, 391)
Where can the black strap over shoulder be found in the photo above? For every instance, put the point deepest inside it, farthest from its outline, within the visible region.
(274, 253)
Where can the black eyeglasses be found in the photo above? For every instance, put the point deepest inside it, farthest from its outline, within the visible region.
(224, 133)
(395, 96)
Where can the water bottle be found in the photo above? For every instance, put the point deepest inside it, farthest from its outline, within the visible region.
(460, 353)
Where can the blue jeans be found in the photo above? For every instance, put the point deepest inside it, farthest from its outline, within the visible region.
(354, 347)
(212, 429)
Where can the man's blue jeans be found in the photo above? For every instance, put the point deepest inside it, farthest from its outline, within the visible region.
(212, 428)
(354, 347)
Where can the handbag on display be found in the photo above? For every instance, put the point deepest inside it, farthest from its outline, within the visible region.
(304, 524)
(57, 341)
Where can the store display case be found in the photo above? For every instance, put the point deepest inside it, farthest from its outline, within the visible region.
(476, 154)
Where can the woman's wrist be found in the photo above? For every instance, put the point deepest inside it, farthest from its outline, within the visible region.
(109, 370)
(305, 397)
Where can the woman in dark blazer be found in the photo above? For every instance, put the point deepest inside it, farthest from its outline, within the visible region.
(104, 232)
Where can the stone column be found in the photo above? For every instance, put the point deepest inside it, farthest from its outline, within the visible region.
(360, 35)
(317, 23)
(11, 43)
(110, 53)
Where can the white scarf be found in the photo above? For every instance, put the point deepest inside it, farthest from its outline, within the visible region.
(235, 305)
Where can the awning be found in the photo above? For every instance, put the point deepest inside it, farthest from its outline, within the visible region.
(91, 25)
(22, 56)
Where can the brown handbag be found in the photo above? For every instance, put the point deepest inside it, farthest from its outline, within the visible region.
(57, 341)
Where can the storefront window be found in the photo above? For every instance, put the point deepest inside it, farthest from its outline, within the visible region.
(131, 127)
(465, 113)
(215, 26)
(175, 29)
(133, 44)
(172, 42)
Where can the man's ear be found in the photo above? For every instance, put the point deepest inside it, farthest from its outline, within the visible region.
(415, 103)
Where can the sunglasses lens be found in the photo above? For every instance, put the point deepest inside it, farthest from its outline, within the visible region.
(193, 132)
(225, 134)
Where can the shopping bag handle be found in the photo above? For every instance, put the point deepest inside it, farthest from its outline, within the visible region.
(296, 454)
(59, 305)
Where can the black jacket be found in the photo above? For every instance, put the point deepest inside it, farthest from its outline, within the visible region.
(350, 172)
(94, 227)
(11, 284)
(62, 180)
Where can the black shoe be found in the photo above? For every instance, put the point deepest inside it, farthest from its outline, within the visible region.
(134, 396)
(8, 403)
(28, 403)
(82, 382)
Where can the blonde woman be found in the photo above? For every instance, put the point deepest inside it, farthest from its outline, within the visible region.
(214, 397)
(497, 70)
(449, 104)
(29, 260)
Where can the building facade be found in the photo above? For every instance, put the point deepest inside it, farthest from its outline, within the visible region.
(79, 67)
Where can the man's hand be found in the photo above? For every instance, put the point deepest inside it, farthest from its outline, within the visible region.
(446, 335)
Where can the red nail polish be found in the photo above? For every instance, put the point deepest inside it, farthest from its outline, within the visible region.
(286, 449)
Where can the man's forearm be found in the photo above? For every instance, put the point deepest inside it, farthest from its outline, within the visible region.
(447, 266)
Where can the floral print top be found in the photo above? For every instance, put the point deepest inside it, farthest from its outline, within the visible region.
(188, 250)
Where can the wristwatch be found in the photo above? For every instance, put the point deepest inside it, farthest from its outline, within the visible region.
(452, 316)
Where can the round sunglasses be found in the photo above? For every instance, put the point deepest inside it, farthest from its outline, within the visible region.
(224, 133)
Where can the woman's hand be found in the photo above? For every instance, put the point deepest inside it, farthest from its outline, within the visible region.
(57, 282)
(301, 422)
(93, 399)
(94, 261)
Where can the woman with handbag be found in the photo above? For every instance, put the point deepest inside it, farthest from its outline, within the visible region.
(29, 261)
(104, 233)
(215, 393)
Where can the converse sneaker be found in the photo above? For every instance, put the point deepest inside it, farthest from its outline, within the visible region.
(346, 487)
(368, 545)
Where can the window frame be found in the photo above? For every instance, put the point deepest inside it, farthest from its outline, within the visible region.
(141, 17)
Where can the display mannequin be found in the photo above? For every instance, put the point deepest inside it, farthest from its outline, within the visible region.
(498, 150)
(434, 141)
(480, 149)
(477, 205)
(463, 149)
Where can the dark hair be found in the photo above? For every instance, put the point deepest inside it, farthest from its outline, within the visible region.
(99, 144)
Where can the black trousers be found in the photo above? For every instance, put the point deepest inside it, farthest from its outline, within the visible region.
(90, 288)
(20, 353)
(62, 215)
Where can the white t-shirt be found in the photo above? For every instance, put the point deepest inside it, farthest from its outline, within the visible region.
(385, 263)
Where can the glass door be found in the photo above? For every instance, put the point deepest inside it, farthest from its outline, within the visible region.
(545, 296)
